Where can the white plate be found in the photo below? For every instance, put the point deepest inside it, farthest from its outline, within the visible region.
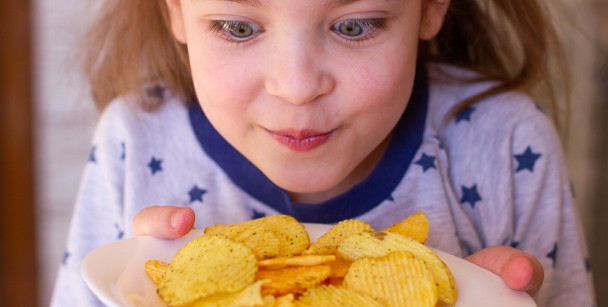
(115, 273)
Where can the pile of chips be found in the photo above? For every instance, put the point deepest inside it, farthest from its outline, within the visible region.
(270, 262)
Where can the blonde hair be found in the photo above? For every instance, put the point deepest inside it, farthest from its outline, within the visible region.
(514, 42)
(131, 45)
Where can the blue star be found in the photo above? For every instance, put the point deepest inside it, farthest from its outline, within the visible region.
(427, 162)
(124, 151)
(257, 214)
(470, 195)
(196, 193)
(120, 233)
(156, 91)
(539, 107)
(514, 244)
(92, 154)
(526, 160)
(465, 114)
(390, 198)
(572, 190)
(155, 165)
(553, 254)
(66, 256)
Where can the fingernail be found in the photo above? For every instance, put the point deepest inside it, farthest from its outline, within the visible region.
(176, 219)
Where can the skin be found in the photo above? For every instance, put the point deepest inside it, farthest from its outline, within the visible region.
(298, 76)
(302, 81)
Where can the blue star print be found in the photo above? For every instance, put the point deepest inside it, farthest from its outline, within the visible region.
(92, 154)
(155, 92)
(124, 151)
(553, 254)
(526, 160)
(470, 195)
(390, 198)
(66, 256)
(514, 244)
(155, 165)
(427, 162)
(196, 194)
(119, 233)
(465, 114)
(257, 215)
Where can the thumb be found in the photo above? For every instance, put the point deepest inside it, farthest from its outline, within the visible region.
(164, 222)
(517, 269)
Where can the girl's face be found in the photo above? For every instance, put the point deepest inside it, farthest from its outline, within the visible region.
(308, 91)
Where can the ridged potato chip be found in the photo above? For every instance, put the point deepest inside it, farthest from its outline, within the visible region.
(339, 267)
(155, 269)
(292, 279)
(397, 279)
(262, 240)
(328, 243)
(415, 226)
(378, 244)
(250, 296)
(206, 266)
(292, 235)
(303, 260)
(331, 296)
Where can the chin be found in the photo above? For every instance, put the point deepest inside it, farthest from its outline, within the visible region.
(308, 184)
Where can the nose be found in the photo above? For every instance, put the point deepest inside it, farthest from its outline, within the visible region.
(297, 72)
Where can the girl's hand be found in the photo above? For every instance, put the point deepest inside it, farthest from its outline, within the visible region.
(518, 270)
(164, 222)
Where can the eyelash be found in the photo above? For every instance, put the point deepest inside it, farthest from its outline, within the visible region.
(370, 28)
(225, 28)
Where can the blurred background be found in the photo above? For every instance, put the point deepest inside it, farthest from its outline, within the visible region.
(47, 120)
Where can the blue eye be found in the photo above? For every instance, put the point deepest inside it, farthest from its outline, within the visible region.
(235, 30)
(358, 29)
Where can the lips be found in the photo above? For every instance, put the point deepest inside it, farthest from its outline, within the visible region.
(300, 140)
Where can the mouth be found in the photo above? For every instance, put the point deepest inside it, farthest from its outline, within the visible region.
(300, 140)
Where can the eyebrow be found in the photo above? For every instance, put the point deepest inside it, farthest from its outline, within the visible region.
(258, 3)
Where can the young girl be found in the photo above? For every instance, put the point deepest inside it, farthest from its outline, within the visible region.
(229, 110)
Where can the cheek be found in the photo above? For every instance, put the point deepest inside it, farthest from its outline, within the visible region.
(385, 84)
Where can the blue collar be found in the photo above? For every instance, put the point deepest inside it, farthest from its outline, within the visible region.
(360, 199)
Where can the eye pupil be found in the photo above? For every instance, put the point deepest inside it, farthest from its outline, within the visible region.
(239, 29)
(350, 28)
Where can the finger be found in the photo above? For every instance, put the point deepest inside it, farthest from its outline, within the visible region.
(165, 222)
(518, 270)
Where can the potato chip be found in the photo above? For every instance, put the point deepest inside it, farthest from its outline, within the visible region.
(292, 279)
(292, 235)
(156, 269)
(364, 244)
(207, 266)
(262, 240)
(250, 296)
(286, 300)
(328, 243)
(303, 260)
(331, 296)
(397, 279)
(339, 267)
(415, 226)
(378, 244)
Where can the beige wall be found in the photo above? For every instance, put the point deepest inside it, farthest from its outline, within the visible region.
(66, 117)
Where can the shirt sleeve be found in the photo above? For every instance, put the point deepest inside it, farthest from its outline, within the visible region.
(546, 218)
(509, 175)
(97, 216)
